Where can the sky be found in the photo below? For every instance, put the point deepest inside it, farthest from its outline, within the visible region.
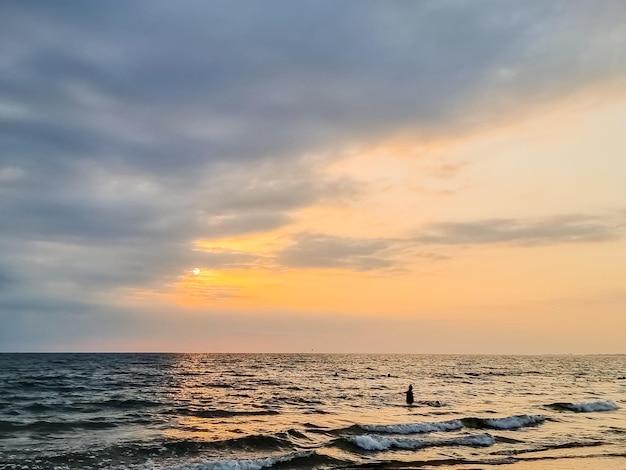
(313, 176)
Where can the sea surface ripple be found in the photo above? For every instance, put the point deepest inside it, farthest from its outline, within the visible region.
(307, 411)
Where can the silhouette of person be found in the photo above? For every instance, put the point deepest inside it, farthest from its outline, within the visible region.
(409, 395)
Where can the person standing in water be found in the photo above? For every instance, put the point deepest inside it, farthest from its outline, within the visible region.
(409, 395)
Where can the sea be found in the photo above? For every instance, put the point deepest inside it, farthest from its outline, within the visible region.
(309, 411)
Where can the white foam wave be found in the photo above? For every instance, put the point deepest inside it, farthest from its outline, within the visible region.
(242, 464)
(377, 443)
(480, 440)
(369, 442)
(594, 406)
(451, 425)
(514, 422)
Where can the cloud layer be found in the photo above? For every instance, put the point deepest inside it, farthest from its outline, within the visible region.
(552, 230)
(127, 134)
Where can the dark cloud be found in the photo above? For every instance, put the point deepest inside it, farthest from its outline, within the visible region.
(167, 89)
(278, 186)
(551, 230)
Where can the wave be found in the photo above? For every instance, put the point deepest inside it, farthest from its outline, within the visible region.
(585, 407)
(55, 426)
(218, 385)
(125, 404)
(217, 413)
(241, 464)
(293, 435)
(51, 384)
(37, 407)
(92, 406)
(316, 411)
(377, 443)
(543, 448)
(416, 428)
(508, 423)
(255, 442)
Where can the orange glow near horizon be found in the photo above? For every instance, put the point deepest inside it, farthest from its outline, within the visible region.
(470, 180)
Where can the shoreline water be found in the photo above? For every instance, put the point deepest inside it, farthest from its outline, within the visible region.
(592, 462)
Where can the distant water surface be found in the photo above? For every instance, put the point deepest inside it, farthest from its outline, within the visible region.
(290, 411)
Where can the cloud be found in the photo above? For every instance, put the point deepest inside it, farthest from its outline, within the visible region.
(127, 134)
(314, 250)
(172, 93)
(447, 170)
(214, 258)
(547, 231)
(6, 280)
(192, 98)
(243, 224)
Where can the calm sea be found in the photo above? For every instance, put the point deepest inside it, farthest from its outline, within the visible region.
(307, 411)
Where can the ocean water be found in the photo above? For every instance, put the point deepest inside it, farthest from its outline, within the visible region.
(308, 411)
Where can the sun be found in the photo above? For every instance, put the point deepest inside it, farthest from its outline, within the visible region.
(196, 271)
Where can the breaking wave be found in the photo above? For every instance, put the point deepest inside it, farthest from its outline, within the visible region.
(416, 428)
(507, 423)
(585, 407)
(377, 443)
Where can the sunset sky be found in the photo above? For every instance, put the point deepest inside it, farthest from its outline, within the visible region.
(328, 176)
